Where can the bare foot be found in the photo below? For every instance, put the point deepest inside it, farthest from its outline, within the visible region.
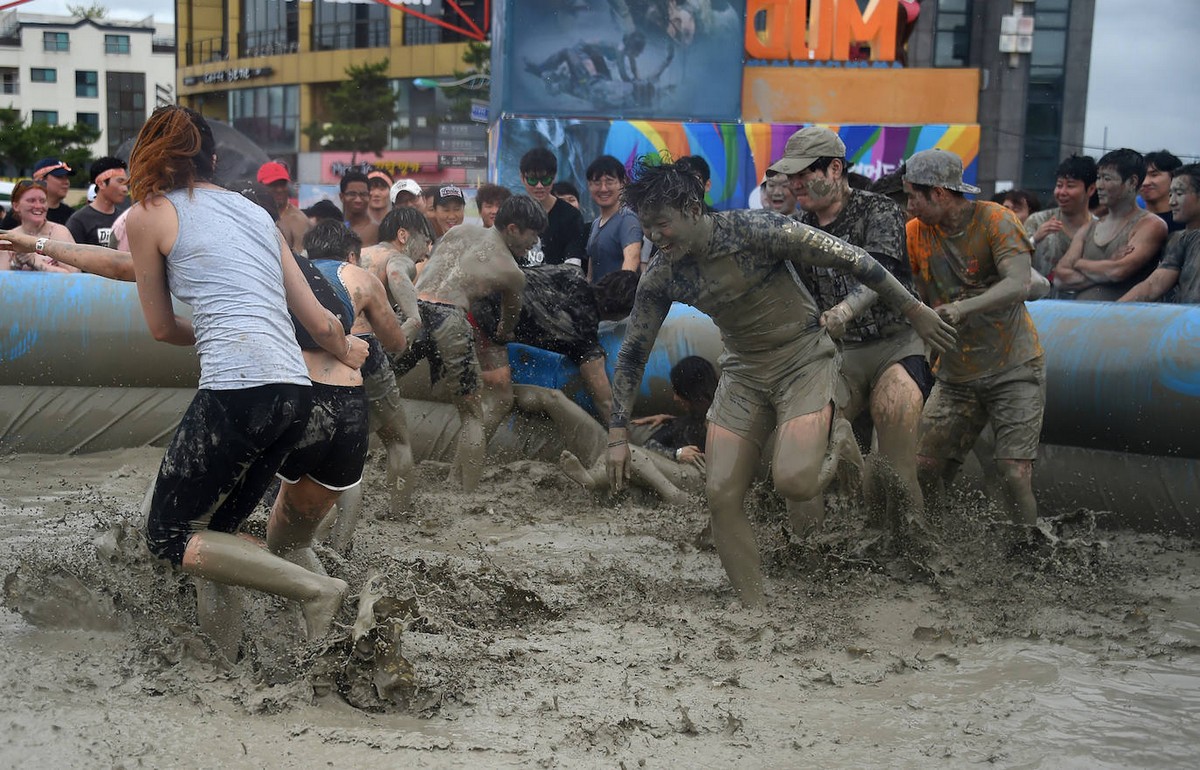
(570, 465)
(320, 611)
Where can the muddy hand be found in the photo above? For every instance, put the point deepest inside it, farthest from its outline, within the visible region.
(618, 462)
(356, 352)
(17, 241)
(834, 320)
(927, 323)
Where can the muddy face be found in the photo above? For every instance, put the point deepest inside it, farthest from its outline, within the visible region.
(815, 190)
(674, 232)
(519, 241)
(1185, 201)
(1111, 189)
(928, 210)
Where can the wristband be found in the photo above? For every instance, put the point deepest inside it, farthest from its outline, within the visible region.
(678, 454)
(39, 246)
(622, 442)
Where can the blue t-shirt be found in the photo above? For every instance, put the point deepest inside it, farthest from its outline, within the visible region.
(607, 242)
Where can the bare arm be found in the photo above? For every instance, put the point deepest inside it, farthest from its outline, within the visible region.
(650, 309)
(99, 260)
(403, 293)
(1154, 287)
(1039, 285)
(512, 284)
(631, 257)
(379, 314)
(1145, 242)
(1065, 274)
(151, 226)
(324, 326)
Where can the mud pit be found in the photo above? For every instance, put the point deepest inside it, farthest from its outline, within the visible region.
(538, 628)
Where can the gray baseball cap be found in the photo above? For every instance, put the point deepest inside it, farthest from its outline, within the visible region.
(937, 168)
(806, 147)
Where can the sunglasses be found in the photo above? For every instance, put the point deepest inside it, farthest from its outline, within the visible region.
(25, 184)
(534, 181)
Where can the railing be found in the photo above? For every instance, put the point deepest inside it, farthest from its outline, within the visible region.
(204, 51)
(162, 44)
(267, 43)
(342, 35)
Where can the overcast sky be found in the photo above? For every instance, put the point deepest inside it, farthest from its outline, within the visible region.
(1142, 87)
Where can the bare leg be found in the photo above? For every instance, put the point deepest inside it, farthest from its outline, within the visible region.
(468, 458)
(219, 611)
(392, 428)
(896, 411)
(298, 511)
(230, 560)
(595, 380)
(569, 464)
(731, 461)
(581, 434)
(341, 521)
(497, 397)
(807, 457)
(1018, 489)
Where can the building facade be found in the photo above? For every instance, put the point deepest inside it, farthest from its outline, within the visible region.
(65, 70)
(265, 66)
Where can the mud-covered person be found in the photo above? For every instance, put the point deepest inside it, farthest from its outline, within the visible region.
(328, 460)
(254, 394)
(1177, 278)
(468, 263)
(779, 368)
(1110, 256)
(970, 261)
(883, 358)
(405, 239)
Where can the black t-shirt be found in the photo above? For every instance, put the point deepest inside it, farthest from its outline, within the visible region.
(91, 226)
(563, 239)
(59, 215)
(1168, 216)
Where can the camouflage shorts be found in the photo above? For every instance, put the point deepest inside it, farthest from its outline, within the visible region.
(1014, 402)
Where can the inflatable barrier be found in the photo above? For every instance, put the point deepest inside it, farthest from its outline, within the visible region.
(79, 372)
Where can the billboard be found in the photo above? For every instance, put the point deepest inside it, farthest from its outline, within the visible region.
(738, 154)
(618, 59)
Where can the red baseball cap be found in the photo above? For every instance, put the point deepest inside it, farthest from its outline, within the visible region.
(272, 172)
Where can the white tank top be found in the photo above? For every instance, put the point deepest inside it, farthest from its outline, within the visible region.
(225, 264)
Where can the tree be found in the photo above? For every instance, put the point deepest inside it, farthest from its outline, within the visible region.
(23, 143)
(93, 11)
(478, 58)
(362, 110)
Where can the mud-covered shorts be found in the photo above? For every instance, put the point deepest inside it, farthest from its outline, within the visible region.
(334, 445)
(864, 363)
(1014, 401)
(220, 461)
(752, 410)
(447, 341)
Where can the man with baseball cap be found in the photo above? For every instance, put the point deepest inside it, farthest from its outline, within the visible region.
(292, 221)
(57, 176)
(971, 262)
(406, 193)
(93, 223)
(449, 202)
(883, 359)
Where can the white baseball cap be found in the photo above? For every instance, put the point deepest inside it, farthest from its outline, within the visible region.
(404, 185)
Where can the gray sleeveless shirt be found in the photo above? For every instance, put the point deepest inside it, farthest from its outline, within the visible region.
(225, 264)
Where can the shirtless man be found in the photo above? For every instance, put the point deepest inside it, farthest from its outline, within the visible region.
(292, 221)
(1109, 257)
(780, 368)
(469, 263)
(379, 185)
(356, 196)
(1180, 268)
(405, 240)
(1053, 229)
(883, 359)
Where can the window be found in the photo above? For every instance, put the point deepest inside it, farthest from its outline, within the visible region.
(89, 119)
(49, 117)
(339, 26)
(43, 75)
(116, 44)
(87, 83)
(10, 81)
(952, 34)
(56, 41)
(126, 92)
(269, 27)
(269, 116)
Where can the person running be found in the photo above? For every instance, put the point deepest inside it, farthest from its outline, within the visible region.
(221, 254)
(779, 368)
(468, 263)
(329, 459)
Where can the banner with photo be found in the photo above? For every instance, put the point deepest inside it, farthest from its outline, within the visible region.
(738, 154)
(619, 58)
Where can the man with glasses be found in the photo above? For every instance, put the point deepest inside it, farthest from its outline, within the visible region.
(615, 241)
(93, 223)
(356, 197)
(564, 240)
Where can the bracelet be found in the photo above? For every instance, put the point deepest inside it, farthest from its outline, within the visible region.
(39, 246)
(347, 346)
(678, 454)
(622, 442)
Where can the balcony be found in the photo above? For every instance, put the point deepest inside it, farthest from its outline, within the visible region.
(205, 51)
(270, 42)
(344, 35)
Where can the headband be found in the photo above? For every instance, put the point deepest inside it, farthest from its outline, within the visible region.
(44, 172)
(104, 176)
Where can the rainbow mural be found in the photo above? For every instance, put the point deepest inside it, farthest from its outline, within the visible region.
(738, 153)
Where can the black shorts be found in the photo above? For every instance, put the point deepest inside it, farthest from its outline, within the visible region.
(220, 461)
(334, 446)
(447, 340)
(376, 356)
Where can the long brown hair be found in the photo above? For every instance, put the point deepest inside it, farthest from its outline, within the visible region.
(174, 150)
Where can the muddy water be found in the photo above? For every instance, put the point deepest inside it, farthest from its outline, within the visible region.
(552, 631)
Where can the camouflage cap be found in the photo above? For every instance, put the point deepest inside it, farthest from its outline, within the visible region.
(806, 147)
(937, 168)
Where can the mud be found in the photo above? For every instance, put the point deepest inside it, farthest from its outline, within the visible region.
(527, 624)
